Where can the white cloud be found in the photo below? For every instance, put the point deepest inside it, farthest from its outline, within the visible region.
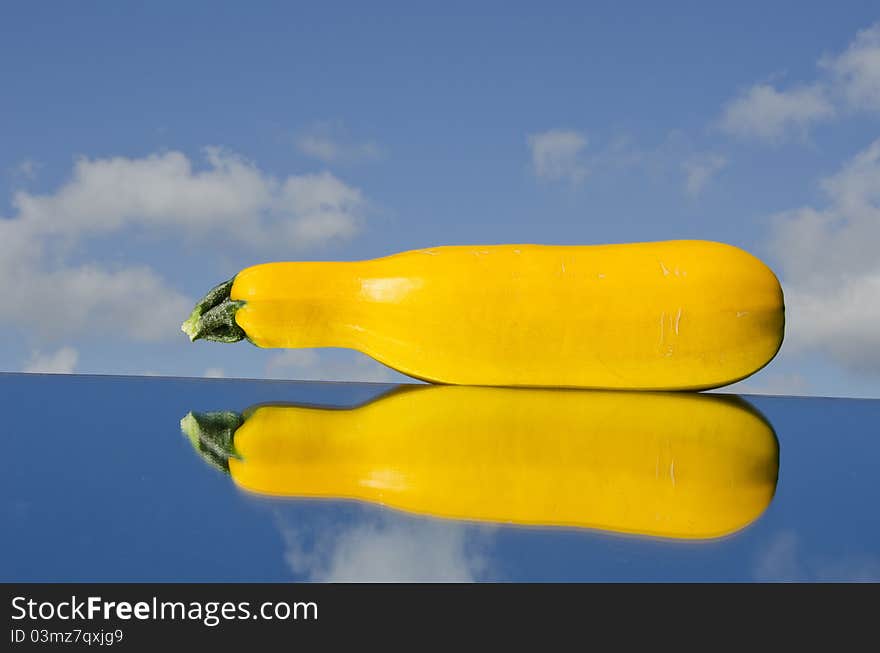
(831, 268)
(850, 80)
(782, 560)
(778, 561)
(318, 147)
(348, 365)
(770, 383)
(130, 303)
(214, 373)
(292, 360)
(856, 72)
(27, 169)
(329, 143)
(393, 548)
(230, 199)
(842, 322)
(51, 299)
(325, 209)
(699, 170)
(422, 553)
(62, 361)
(764, 113)
(560, 155)
(557, 155)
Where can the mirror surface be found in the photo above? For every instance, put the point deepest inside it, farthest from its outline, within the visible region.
(372, 482)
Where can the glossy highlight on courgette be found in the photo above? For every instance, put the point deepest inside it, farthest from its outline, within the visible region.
(673, 315)
(672, 465)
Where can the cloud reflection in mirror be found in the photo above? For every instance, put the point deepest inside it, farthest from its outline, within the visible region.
(679, 466)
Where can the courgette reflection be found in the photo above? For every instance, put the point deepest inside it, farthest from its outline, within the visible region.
(671, 465)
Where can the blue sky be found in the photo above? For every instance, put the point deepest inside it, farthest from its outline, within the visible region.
(147, 152)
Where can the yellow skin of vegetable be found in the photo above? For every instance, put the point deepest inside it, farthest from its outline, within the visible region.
(670, 465)
(675, 315)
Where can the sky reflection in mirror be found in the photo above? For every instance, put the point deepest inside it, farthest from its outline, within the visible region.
(363, 482)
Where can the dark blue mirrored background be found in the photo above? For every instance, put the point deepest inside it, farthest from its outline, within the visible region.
(99, 484)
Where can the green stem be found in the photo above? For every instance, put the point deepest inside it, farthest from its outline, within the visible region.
(213, 318)
(212, 435)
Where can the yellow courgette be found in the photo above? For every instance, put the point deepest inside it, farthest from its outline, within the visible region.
(677, 465)
(664, 315)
